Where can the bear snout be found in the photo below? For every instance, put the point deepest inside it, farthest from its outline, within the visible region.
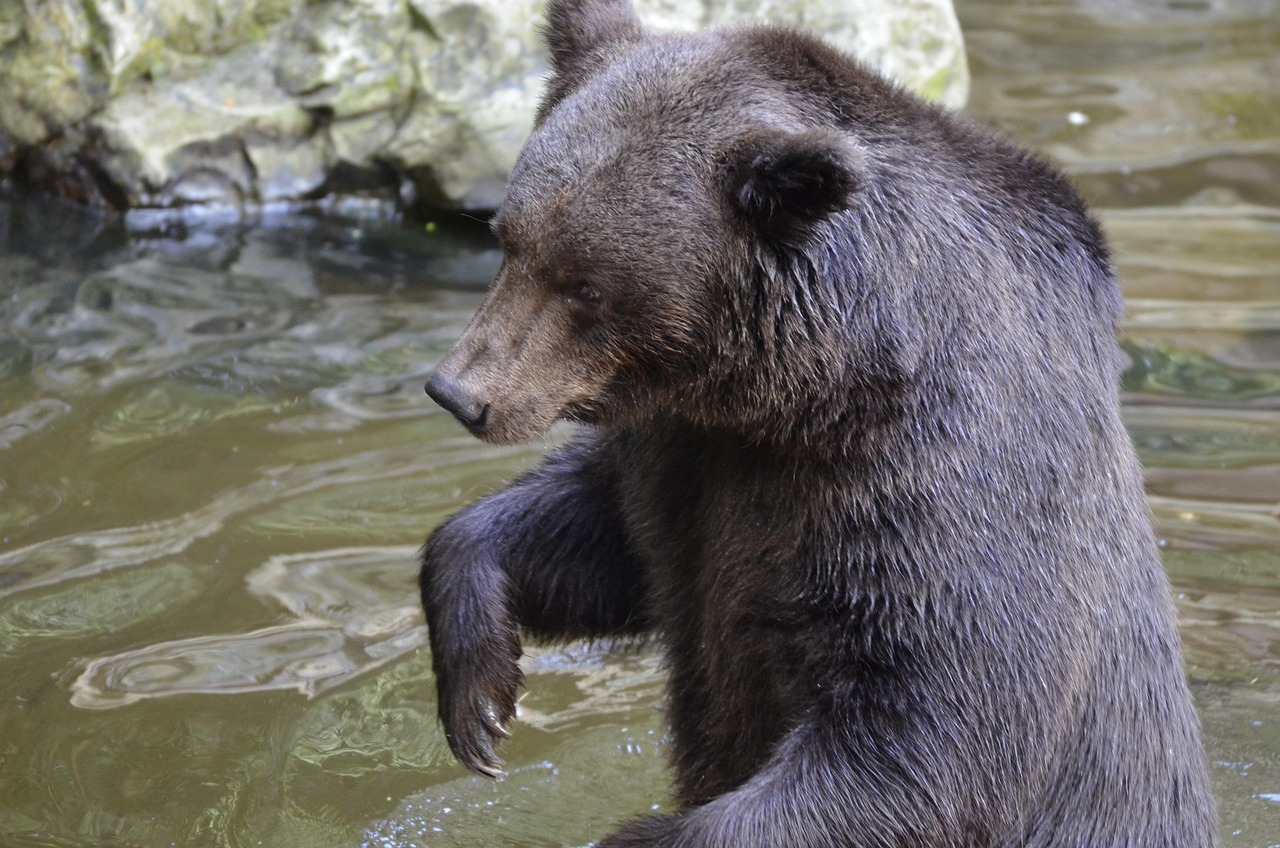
(471, 411)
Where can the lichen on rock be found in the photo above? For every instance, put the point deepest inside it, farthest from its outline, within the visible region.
(415, 104)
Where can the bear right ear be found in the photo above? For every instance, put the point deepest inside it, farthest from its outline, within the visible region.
(578, 32)
(783, 183)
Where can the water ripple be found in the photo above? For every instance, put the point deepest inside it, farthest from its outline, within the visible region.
(125, 601)
(1216, 525)
(353, 610)
(168, 408)
(1171, 437)
(1146, 314)
(80, 555)
(1224, 241)
(291, 656)
(236, 328)
(1174, 370)
(30, 418)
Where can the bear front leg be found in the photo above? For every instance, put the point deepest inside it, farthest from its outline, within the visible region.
(474, 646)
(548, 556)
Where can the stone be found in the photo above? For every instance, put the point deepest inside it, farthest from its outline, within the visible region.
(416, 105)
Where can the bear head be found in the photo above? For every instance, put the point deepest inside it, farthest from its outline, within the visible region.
(663, 234)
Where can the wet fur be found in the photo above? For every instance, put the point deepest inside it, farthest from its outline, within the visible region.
(855, 459)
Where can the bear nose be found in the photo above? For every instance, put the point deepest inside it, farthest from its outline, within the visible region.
(472, 413)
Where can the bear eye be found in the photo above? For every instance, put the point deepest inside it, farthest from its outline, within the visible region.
(583, 296)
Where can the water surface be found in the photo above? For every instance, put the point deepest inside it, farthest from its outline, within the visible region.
(216, 462)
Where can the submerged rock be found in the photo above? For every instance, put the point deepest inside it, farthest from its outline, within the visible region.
(414, 104)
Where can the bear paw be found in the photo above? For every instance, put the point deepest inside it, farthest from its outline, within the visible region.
(476, 704)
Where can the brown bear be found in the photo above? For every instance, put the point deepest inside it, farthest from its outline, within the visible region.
(851, 452)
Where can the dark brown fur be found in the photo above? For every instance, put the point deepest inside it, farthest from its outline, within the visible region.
(853, 455)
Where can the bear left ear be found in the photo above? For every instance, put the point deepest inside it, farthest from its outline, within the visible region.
(578, 32)
(783, 183)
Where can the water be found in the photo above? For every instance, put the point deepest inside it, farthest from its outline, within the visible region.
(216, 462)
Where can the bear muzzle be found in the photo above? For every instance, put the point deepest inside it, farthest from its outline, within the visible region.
(469, 410)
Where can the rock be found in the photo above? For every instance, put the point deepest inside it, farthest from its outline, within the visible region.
(415, 104)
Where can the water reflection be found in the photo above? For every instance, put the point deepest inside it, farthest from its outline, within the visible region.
(68, 612)
(81, 555)
(610, 750)
(352, 610)
(30, 418)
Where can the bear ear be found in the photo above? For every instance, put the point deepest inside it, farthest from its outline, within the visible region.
(783, 183)
(577, 33)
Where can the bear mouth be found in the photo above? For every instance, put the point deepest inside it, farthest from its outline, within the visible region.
(478, 423)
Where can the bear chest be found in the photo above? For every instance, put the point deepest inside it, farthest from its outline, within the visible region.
(720, 528)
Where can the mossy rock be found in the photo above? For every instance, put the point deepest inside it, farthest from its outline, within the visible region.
(411, 104)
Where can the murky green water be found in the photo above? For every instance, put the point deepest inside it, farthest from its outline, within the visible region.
(216, 461)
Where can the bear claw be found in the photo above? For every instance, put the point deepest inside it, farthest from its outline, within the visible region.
(473, 733)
